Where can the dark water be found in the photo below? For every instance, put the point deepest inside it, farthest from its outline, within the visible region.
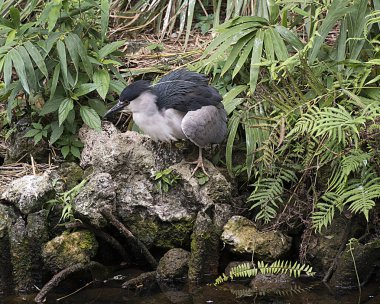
(227, 294)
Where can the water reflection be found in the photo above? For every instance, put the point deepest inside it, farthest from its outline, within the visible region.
(231, 293)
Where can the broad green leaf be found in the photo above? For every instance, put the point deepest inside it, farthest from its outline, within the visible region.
(71, 117)
(91, 118)
(37, 138)
(37, 125)
(7, 69)
(341, 44)
(278, 45)
(65, 151)
(54, 81)
(234, 55)
(98, 106)
(229, 99)
(268, 46)
(37, 58)
(48, 44)
(15, 17)
(51, 105)
(19, 65)
(290, 37)
(83, 55)
(256, 60)
(53, 14)
(336, 11)
(6, 48)
(56, 132)
(75, 151)
(84, 89)
(233, 125)
(32, 133)
(64, 108)
(73, 51)
(116, 86)
(102, 80)
(31, 75)
(250, 143)
(243, 57)
(63, 60)
(15, 87)
(104, 17)
(110, 48)
(225, 37)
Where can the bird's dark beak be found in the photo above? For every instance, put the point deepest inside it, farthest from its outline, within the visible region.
(116, 108)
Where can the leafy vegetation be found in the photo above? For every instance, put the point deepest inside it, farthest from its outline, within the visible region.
(165, 179)
(56, 62)
(65, 201)
(304, 106)
(246, 270)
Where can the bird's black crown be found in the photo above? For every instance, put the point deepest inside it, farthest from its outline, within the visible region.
(134, 90)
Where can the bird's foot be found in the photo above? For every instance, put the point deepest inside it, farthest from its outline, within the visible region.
(199, 164)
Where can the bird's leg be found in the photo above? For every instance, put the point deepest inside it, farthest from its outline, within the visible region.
(199, 164)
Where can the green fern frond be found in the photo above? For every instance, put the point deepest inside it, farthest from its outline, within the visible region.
(268, 193)
(359, 195)
(325, 210)
(246, 270)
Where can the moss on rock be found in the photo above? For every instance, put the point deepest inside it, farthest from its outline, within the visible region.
(69, 249)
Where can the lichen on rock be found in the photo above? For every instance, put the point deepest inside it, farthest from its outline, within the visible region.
(69, 249)
(29, 193)
(243, 237)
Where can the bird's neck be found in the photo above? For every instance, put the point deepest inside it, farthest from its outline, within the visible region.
(145, 103)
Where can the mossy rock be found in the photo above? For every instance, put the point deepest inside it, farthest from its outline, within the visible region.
(69, 249)
(164, 235)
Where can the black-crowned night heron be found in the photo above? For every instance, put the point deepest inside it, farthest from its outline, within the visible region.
(180, 106)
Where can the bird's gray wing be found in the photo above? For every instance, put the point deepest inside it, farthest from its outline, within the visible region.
(185, 75)
(185, 91)
(207, 125)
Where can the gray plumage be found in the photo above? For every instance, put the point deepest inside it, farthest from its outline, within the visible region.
(181, 105)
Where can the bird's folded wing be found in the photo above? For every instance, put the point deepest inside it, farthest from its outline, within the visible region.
(207, 125)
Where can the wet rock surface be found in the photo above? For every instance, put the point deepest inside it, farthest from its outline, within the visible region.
(243, 237)
(173, 265)
(365, 256)
(204, 258)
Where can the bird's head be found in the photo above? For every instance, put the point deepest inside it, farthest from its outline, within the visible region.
(129, 94)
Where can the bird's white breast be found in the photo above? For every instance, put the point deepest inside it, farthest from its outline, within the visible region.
(163, 125)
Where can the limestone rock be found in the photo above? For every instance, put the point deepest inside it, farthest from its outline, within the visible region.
(173, 265)
(98, 193)
(69, 249)
(161, 219)
(30, 192)
(243, 237)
